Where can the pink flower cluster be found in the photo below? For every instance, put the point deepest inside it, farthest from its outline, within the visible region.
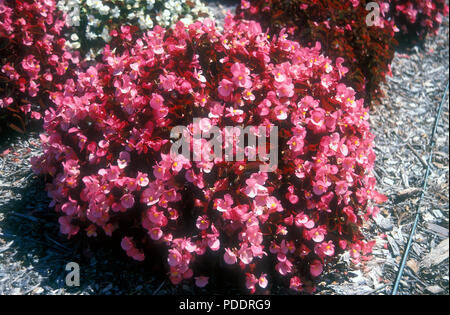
(108, 139)
(419, 16)
(33, 60)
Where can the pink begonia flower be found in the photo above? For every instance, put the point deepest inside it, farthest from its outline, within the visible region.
(324, 249)
(250, 281)
(194, 178)
(262, 281)
(279, 76)
(291, 196)
(273, 204)
(229, 257)
(150, 196)
(341, 187)
(320, 187)
(66, 227)
(255, 185)
(142, 179)
(302, 219)
(355, 251)
(30, 64)
(70, 208)
(156, 217)
(248, 96)
(117, 207)
(296, 144)
(225, 88)
(348, 211)
(318, 234)
(341, 69)
(127, 244)
(216, 110)
(5, 102)
(285, 90)
(295, 283)
(124, 159)
(160, 172)
(202, 223)
(284, 267)
(178, 162)
(91, 231)
(201, 281)
(245, 4)
(241, 75)
(157, 101)
(34, 115)
(199, 76)
(317, 121)
(173, 214)
(315, 268)
(155, 233)
(236, 114)
(185, 87)
(205, 124)
(214, 243)
(245, 254)
(175, 277)
(355, 3)
(136, 255)
(71, 168)
(224, 204)
(171, 195)
(328, 248)
(127, 201)
(281, 112)
(174, 258)
(343, 244)
(33, 89)
(168, 82)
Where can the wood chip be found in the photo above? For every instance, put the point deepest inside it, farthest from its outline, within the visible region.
(437, 229)
(435, 289)
(414, 266)
(436, 255)
(407, 193)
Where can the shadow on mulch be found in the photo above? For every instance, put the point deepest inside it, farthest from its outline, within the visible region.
(408, 43)
(8, 136)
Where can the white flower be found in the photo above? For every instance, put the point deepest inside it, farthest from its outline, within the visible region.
(115, 12)
(145, 22)
(104, 10)
(91, 35)
(105, 34)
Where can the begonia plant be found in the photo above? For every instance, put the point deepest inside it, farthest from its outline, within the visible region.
(112, 170)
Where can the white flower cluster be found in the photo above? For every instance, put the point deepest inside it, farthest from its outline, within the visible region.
(94, 19)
